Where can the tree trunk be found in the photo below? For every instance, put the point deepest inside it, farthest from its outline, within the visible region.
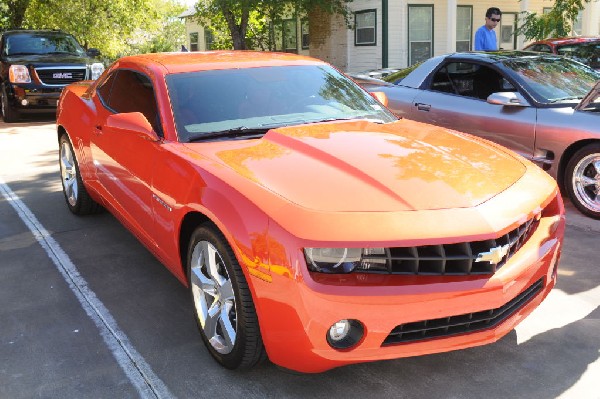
(238, 32)
(16, 11)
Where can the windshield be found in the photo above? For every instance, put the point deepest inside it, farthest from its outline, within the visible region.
(586, 52)
(552, 80)
(266, 97)
(42, 43)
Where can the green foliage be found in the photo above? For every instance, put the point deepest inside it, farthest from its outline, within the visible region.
(12, 13)
(253, 23)
(115, 27)
(556, 23)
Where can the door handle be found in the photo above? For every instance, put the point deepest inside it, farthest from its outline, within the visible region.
(423, 107)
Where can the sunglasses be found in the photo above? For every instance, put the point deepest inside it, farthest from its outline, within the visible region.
(495, 20)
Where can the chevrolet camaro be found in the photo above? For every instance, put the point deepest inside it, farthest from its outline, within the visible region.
(525, 101)
(311, 225)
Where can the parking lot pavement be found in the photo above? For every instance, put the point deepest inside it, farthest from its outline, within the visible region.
(52, 344)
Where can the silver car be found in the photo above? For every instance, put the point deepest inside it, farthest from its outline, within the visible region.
(528, 102)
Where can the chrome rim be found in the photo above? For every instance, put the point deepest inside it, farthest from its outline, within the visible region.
(68, 173)
(586, 182)
(213, 297)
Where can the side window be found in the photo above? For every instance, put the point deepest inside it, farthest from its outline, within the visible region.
(133, 92)
(104, 89)
(469, 80)
(543, 48)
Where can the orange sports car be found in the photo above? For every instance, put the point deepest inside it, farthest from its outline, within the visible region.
(310, 224)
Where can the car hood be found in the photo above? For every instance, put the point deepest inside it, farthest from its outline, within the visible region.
(360, 166)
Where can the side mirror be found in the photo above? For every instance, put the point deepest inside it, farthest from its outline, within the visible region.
(381, 97)
(93, 52)
(508, 98)
(132, 122)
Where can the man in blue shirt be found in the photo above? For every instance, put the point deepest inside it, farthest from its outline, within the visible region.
(485, 37)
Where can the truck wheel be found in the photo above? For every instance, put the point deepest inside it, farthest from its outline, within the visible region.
(9, 114)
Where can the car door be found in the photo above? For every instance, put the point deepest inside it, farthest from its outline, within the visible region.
(456, 97)
(124, 161)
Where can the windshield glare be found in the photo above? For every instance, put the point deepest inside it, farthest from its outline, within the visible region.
(554, 79)
(43, 43)
(219, 100)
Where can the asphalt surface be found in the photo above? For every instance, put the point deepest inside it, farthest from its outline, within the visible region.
(87, 312)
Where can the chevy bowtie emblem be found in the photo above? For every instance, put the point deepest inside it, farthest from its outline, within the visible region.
(494, 256)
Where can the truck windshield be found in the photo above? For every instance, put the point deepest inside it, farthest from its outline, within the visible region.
(42, 43)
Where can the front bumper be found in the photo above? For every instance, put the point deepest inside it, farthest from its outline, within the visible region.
(296, 317)
(29, 98)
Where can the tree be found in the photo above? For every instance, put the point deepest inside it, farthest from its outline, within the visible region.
(12, 13)
(251, 23)
(105, 24)
(556, 23)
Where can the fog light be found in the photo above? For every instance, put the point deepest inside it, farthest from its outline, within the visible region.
(24, 102)
(345, 334)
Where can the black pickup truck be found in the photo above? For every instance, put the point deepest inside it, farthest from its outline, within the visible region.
(35, 65)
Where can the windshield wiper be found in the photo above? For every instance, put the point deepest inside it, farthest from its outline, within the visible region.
(236, 132)
(23, 53)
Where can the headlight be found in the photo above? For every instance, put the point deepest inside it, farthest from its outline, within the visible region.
(345, 260)
(18, 74)
(97, 69)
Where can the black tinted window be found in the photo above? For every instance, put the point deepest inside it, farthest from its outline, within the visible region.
(469, 80)
(104, 90)
(41, 43)
(131, 92)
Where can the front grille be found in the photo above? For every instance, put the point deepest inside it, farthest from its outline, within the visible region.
(60, 76)
(466, 258)
(461, 324)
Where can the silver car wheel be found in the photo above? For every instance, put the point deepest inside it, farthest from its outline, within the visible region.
(586, 181)
(214, 300)
(68, 173)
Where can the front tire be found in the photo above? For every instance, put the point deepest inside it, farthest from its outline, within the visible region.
(582, 180)
(222, 301)
(9, 114)
(77, 197)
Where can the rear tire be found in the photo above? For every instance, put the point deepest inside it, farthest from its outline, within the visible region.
(582, 180)
(223, 306)
(9, 114)
(77, 197)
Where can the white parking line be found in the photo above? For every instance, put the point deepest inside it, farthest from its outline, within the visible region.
(133, 364)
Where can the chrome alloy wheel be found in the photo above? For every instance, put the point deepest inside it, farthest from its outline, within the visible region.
(214, 300)
(586, 181)
(68, 173)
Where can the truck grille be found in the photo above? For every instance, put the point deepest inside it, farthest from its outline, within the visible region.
(461, 324)
(60, 76)
(466, 258)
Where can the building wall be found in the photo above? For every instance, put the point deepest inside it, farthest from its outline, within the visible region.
(192, 26)
(364, 58)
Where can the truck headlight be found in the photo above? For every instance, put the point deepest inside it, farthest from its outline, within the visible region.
(18, 74)
(97, 69)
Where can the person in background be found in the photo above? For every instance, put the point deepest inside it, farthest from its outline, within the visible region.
(485, 37)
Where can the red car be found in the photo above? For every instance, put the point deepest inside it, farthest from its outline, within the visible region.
(583, 48)
(311, 225)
